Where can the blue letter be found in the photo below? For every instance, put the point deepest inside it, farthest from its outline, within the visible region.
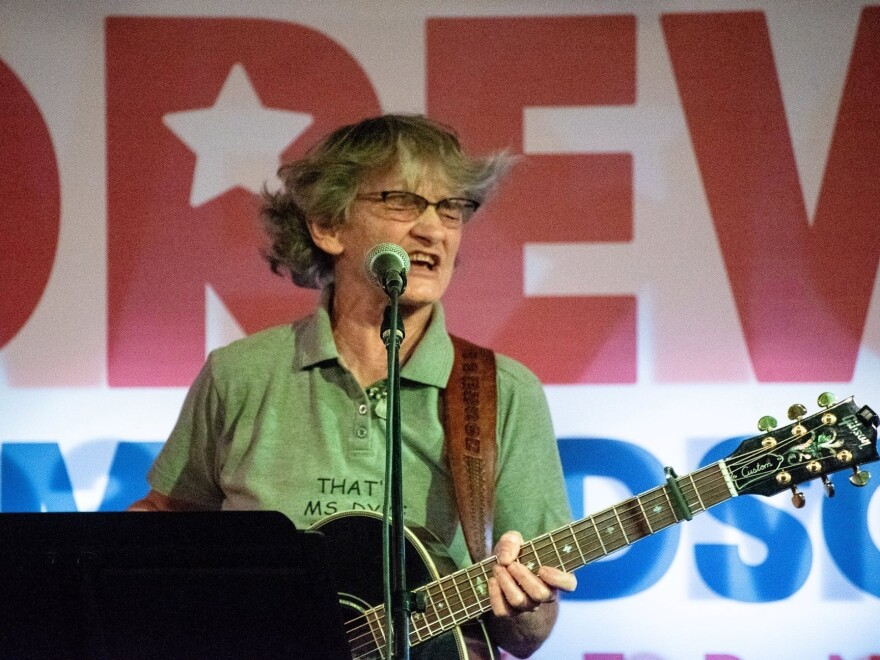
(34, 479)
(645, 562)
(845, 523)
(789, 552)
(127, 478)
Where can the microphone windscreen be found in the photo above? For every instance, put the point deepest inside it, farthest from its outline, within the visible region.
(383, 258)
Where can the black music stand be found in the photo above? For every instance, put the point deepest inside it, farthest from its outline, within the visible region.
(138, 586)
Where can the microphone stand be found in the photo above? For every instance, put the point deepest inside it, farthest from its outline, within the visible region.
(401, 599)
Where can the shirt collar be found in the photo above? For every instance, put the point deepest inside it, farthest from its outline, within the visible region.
(314, 336)
(431, 362)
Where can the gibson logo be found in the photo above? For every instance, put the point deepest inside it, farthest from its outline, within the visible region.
(855, 428)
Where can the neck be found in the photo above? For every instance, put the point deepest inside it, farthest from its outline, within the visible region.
(356, 323)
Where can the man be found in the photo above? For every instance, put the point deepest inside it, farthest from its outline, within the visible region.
(292, 418)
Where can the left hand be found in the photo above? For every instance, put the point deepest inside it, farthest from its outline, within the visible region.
(513, 588)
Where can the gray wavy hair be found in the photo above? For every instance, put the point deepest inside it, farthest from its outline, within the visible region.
(321, 186)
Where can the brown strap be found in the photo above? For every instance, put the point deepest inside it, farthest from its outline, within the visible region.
(469, 420)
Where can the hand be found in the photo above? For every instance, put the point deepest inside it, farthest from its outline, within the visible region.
(513, 588)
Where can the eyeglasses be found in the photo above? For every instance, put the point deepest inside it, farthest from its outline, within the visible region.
(407, 206)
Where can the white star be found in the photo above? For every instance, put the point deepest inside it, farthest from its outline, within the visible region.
(238, 141)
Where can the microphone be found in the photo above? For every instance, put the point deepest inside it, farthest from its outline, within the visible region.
(387, 265)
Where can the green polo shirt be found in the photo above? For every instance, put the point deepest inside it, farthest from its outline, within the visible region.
(275, 421)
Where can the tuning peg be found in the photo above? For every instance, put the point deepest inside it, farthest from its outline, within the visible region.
(829, 486)
(797, 498)
(826, 399)
(859, 478)
(796, 411)
(767, 423)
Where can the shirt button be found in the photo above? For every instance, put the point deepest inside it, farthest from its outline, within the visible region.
(361, 432)
(362, 409)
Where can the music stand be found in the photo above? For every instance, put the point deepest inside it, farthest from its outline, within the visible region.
(139, 586)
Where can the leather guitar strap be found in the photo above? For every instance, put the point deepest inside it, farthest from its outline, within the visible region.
(470, 404)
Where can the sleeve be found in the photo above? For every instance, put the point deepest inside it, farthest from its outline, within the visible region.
(186, 468)
(530, 494)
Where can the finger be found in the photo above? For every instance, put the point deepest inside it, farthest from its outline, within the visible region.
(558, 579)
(508, 547)
(500, 606)
(534, 587)
(516, 597)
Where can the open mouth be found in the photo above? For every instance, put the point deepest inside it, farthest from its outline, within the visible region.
(422, 260)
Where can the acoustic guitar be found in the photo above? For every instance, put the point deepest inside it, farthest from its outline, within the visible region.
(840, 436)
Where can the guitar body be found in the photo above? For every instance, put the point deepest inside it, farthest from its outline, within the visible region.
(357, 564)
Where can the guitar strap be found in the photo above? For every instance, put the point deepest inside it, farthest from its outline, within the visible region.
(470, 404)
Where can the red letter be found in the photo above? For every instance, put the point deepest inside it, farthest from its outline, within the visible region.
(802, 292)
(162, 250)
(482, 73)
(31, 209)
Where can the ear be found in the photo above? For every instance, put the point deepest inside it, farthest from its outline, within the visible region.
(325, 236)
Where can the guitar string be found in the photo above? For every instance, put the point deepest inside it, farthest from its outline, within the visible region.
(633, 522)
(538, 550)
(570, 532)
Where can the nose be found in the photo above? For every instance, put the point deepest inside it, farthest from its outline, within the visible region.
(429, 226)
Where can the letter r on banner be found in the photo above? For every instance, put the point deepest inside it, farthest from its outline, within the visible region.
(165, 242)
(482, 74)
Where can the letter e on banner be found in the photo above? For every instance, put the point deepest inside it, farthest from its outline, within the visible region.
(482, 74)
(193, 108)
(31, 210)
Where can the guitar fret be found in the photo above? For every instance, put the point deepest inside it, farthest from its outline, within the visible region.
(599, 536)
(669, 503)
(380, 638)
(483, 585)
(435, 606)
(460, 599)
(418, 623)
(663, 515)
(446, 609)
(696, 492)
(414, 630)
(645, 515)
(529, 549)
(568, 538)
(556, 550)
(577, 545)
(612, 531)
(620, 523)
(728, 479)
(472, 584)
(721, 486)
(467, 601)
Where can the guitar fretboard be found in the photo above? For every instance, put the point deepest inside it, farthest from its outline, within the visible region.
(463, 596)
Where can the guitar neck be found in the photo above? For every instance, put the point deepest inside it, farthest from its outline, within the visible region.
(464, 596)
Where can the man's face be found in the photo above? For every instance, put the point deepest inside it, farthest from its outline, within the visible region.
(431, 240)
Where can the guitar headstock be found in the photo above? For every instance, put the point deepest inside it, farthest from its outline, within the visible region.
(838, 437)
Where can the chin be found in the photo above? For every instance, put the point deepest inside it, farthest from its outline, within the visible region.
(414, 299)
